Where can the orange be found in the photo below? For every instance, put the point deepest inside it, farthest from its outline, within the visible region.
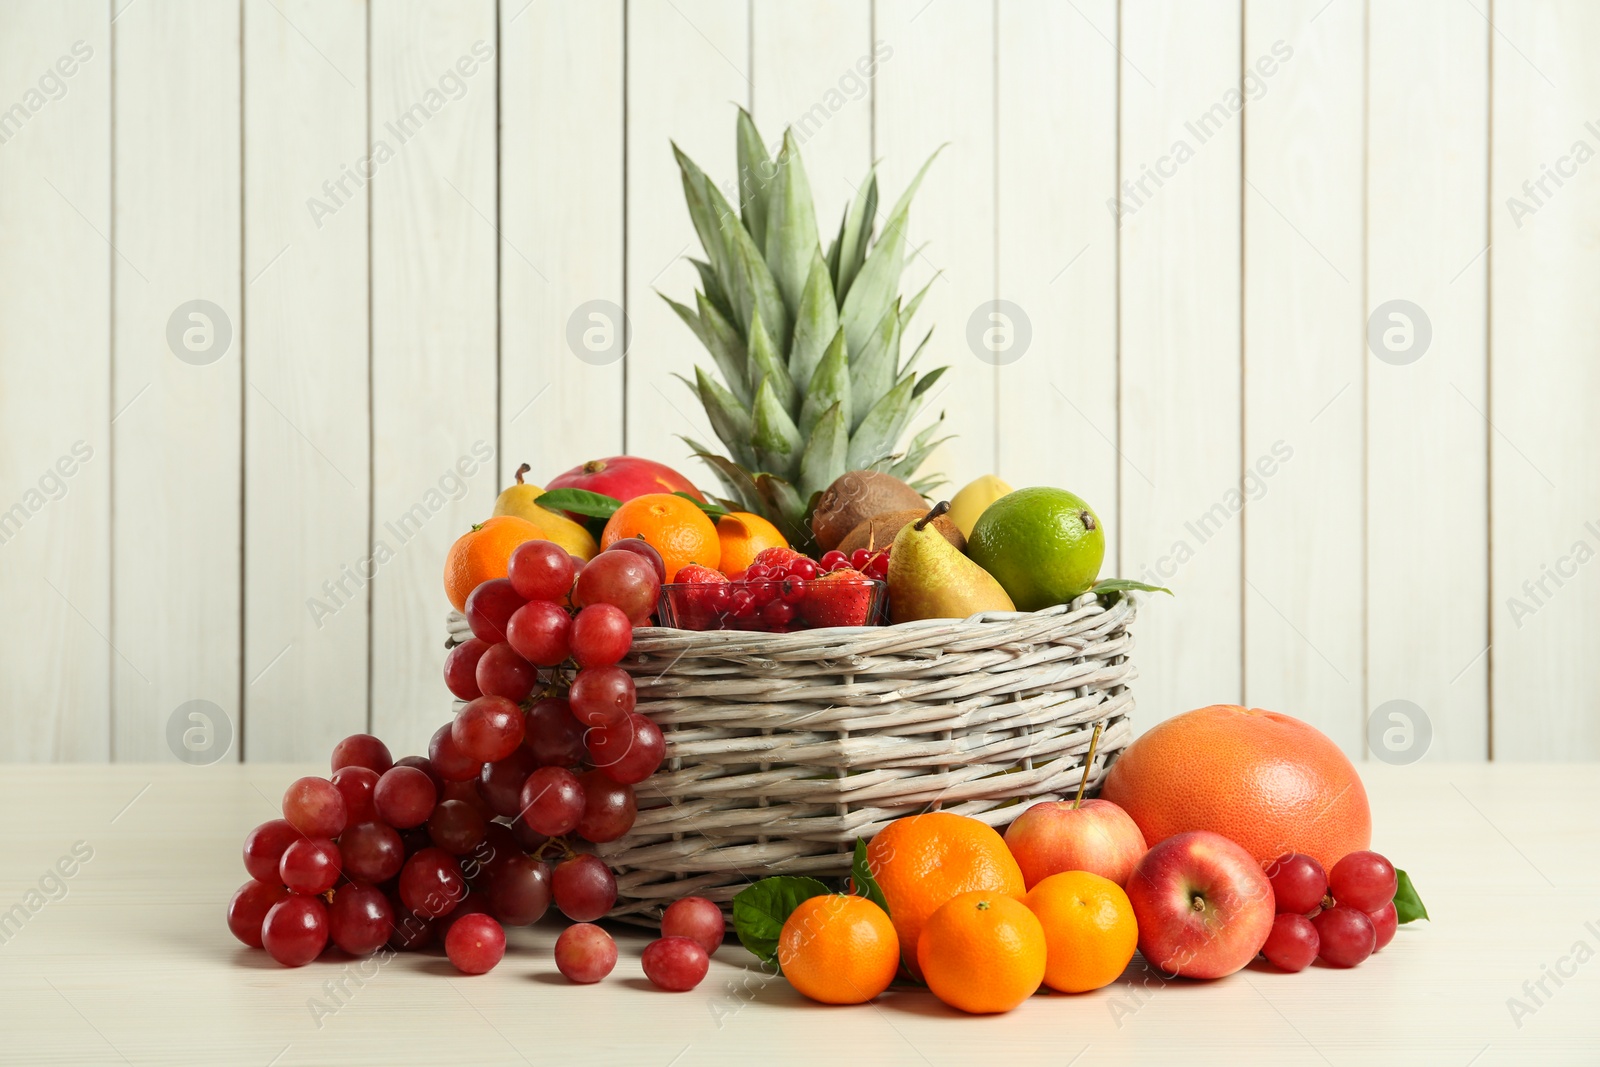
(922, 861)
(983, 952)
(1270, 782)
(839, 949)
(1089, 930)
(673, 526)
(484, 552)
(743, 535)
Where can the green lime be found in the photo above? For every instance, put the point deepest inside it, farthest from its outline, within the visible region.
(1044, 546)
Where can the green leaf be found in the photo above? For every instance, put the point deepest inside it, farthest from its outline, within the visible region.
(1126, 585)
(855, 233)
(872, 368)
(755, 174)
(727, 349)
(729, 418)
(712, 287)
(922, 447)
(579, 502)
(791, 235)
(761, 909)
(702, 212)
(875, 437)
(925, 382)
(750, 284)
(741, 488)
(826, 448)
(815, 324)
(787, 509)
(910, 308)
(1408, 907)
(873, 290)
(916, 353)
(713, 511)
(861, 879)
(829, 387)
(834, 245)
(766, 367)
(774, 434)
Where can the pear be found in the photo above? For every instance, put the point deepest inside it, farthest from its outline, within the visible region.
(519, 500)
(930, 579)
(967, 505)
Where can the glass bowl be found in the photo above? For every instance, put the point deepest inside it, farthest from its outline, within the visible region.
(774, 606)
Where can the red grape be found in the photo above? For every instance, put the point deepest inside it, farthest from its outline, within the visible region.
(471, 904)
(696, 918)
(371, 852)
(310, 865)
(585, 953)
(500, 782)
(528, 839)
(553, 736)
(629, 751)
(355, 784)
(541, 570)
(645, 551)
(457, 827)
(475, 944)
(362, 750)
(295, 930)
(484, 862)
(431, 884)
(675, 964)
(1298, 883)
(623, 579)
(425, 765)
(602, 695)
(1293, 942)
(1363, 880)
(448, 761)
(411, 931)
(360, 919)
(249, 908)
(1347, 936)
(519, 893)
(487, 729)
(404, 797)
(468, 794)
(503, 673)
(552, 801)
(490, 606)
(601, 635)
(1385, 921)
(583, 888)
(263, 848)
(539, 632)
(609, 808)
(315, 807)
(461, 668)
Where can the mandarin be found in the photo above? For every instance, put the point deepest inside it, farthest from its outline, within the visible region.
(982, 952)
(839, 949)
(743, 536)
(484, 552)
(1089, 930)
(672, 525)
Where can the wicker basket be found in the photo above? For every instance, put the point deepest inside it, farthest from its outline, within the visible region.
(783, 749)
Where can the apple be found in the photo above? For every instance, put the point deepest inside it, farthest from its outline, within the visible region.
(1203, 905)
(1058, 835)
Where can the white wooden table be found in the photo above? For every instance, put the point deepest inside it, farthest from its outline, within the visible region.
(133, 962)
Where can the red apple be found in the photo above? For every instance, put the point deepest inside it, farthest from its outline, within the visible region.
(1203, 905)
(1095, 836)
(624, 477)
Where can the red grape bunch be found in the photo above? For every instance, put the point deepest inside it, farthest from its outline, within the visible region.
(1341, 917)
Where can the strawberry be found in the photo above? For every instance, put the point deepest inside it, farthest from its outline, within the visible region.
(697, 605)
(695, 574)
(777, 557)
(840, 598)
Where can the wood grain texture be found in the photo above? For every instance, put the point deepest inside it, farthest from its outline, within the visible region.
(1180, 399)
(1544, 511)
(1057, 166)
(55, 379)
(1427, 183)
(561, 175)
(176, 552)
(1304, 645)
(306, 403)
(433, 336)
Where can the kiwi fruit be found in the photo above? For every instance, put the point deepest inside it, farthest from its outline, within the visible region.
(856, 496)
(878, 532)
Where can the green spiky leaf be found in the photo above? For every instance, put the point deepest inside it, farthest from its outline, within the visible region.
(855, 233)
(872, 368)
(791, 237)
(825, 451)
(755, 174)
(876, 435)
(727, 349)
(729, 418)
(712, 287)
(766, 366)
(829, 387)
(815, 324)
(775, 436)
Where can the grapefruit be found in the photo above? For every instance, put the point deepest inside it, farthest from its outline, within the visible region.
(1267, 781)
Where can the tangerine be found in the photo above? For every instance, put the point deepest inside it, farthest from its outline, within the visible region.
(921, 861)
(672, 525)
(839, 949)
(482, 553)
(743, 536)
(1089, 930)
(983, 952)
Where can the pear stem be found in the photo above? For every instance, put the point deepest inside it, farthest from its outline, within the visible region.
(938, 509)
(1088, 764)
(524, 469)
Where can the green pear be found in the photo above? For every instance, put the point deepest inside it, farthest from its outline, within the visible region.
(929, 578)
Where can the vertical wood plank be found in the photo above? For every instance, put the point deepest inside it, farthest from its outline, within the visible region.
(176, 436)
(55, 373)
(1179, 310)
(1544, 225)
(561, 169)
(307, 559)
(1303, 361)
(1427, 183)
(938, 88)
(688, 63)
(433, 335)
(1057, 168)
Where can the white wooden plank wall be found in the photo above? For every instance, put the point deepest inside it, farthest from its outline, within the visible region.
(1298, 295)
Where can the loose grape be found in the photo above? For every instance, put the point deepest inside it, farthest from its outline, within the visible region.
(360, 919)
(1363, 880)
(1293, 942)
(504, 673)
(315, 807)
(553, 735)
(645, 551)
(583, 887)
(585, 953)
(541, 570)
(1385, 921)
(519, 893)
(404, 797)
(371, 852)
(431, 884)
(475, 944)
(696, 918)
(487, 729)
(263, 848)
(622, 579)
(362, 750)
(1298, 883)
(675, 964)
(471, 904)
(552, 801)
(602, 695)
(457, 827)
(1347, 936)
(490, 607)
(295, 930)
(609, 808)
(310, 865)
(248, 909)
(601, 635)
(461, 668)
(449, 763)
(500, 782)
(355, 784)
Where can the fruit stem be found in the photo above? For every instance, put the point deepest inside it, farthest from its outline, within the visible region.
(1088, 764)
(524, 469)
(1087, 518)
(938, 509)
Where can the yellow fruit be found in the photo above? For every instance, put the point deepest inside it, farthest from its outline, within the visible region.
(1089, 930)
(519, 500)
(967, 505)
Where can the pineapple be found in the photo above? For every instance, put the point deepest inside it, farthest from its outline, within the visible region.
(807, 345)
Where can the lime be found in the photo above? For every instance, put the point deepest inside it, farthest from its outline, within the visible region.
(1044, 546)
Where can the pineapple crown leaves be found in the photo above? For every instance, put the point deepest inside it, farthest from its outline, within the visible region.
(807, 344)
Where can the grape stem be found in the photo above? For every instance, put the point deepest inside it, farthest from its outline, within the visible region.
(1088, 764)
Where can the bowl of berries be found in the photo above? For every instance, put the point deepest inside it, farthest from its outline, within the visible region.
(781, 592)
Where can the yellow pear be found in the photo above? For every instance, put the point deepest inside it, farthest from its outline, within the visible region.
(967, 505)
(519, 500)
(929, 578)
